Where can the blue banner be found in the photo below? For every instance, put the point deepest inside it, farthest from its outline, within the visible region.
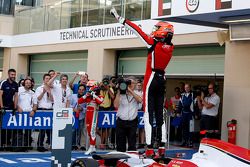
(41, 120)
(107, 119)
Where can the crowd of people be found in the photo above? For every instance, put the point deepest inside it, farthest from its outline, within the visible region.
(53, 93)
(185, 106)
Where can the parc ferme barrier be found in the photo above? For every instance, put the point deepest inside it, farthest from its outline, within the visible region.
(20, 132)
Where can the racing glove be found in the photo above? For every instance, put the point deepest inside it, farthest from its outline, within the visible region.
(114, 13)
(93, 95)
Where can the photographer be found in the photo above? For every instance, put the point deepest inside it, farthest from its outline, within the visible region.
(209, 105)
(107, 93)
(127, 102)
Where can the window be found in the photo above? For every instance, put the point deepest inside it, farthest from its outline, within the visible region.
(7, 7)
(26, 2)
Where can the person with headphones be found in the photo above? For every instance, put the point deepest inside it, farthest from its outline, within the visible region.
(210, 106)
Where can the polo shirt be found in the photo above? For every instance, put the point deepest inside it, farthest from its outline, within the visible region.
(128, 108)
(9, 90)
(56, 81)
(60, 96)
(26, 99)
(45, 102)
(215, 100)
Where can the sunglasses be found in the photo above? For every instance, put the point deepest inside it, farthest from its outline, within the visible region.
(63, 95)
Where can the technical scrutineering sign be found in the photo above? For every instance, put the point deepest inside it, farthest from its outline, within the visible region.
(61, 137)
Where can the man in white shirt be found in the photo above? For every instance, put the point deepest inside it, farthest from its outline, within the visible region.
(210, 107)
(45, 102)
(26, 102)
(61, 92)
(52, 73)
(127, 121)
(26, 99)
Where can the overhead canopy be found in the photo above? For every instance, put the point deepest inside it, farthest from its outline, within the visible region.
(215, 13)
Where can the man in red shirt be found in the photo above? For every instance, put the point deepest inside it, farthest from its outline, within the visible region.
(160, 51)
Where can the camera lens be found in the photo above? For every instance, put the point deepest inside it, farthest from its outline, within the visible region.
(114, 81)
(123, 86)
(105, 83)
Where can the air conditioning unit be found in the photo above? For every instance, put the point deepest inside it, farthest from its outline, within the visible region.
(239, 31)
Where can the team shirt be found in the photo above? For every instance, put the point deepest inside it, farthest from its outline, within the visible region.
(45, 102)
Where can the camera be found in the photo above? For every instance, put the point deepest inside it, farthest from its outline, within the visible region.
(81, 73)
(105, 82)
(198, 89)
(123, 85)
(114, 81)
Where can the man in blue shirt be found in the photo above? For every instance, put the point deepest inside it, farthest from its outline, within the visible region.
(186, 107)
(8, 100)
(83, 81)
(80, 110)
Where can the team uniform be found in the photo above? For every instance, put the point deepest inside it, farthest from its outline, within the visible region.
(93, 102)
(9, 88)
(60, 95)
(26, 101)
(45, 103)
(160, 51)
(159, 55)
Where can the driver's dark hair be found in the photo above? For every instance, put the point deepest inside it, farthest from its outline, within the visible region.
(80, 85)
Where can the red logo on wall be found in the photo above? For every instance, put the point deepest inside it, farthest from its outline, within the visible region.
(192, 5)
(162, 11)
(225, 4)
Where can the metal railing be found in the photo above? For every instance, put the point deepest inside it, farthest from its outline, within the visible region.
(20, 132)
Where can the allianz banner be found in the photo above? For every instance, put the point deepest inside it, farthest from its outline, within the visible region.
(107, 119)
(43, 120)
